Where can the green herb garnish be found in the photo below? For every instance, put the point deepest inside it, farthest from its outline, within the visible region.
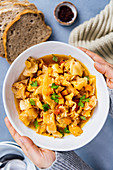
(45, 107)
(61, 131)
(54, 86)
(36, 124)
(66, 130)
(83, 117)
(87, 77)
(34, 84)
(83, 99)
(86, 100)
(81, 104)
(55, 97)
(54, 58)
(32, 102)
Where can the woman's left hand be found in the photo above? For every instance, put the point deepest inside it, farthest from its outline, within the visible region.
(102, 66)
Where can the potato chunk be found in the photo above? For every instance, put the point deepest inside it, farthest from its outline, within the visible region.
(80, 83)
(64, 121)
(57, 135)
(75, 130)
(31, 67)
(18, 89)
(49, 120)
(28, 116)
(76, 68)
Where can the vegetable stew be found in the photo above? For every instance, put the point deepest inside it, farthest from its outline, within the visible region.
(55, 95)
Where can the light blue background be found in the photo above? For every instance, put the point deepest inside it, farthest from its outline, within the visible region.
(99, 152)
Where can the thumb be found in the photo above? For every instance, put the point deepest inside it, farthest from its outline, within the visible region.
(104, 69)
(42, 158)
(32, 150)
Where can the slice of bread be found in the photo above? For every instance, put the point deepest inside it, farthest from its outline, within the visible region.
(13, 1)
(26, 30)
(7, 15)
(8, 5)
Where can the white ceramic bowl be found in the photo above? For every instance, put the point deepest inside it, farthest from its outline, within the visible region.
(93, 126)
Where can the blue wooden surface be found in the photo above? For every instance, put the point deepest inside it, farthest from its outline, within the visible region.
(99, 152)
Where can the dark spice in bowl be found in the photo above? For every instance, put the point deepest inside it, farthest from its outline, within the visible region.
(65, 13)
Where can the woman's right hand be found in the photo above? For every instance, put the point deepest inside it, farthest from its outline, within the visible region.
(42, 158)
(102, 66)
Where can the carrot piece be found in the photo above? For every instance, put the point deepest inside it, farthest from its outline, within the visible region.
(50, 70)
(50, 91)
(27, 94)
(88, 87)
(67, 121)
(61, 101)
(57, 111)
(62, 61)
(64, 93)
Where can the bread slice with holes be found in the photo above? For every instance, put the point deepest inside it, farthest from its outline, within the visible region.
(13, 1)
(9, 4)
(7, 15)
(26, 30)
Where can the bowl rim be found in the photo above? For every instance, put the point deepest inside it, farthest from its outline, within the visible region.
(71, 21)
(17, 129)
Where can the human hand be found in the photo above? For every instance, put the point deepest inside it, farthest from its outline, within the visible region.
(102, 66)
(42, 158)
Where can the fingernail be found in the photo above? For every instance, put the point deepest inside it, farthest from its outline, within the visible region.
(6, 119)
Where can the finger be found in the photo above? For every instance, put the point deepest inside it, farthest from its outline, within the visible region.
(42, 158)
(15, 135)
(12, 131)
(94, 56)
(37, 155)
(104, 69)
(109, 83)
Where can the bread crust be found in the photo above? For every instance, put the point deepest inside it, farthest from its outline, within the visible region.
(18, 17)
(4, 1)
(16, 3)
(27, 5)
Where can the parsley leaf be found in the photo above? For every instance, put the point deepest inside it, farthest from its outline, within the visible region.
(86, 100)
(83, 117)
(36, 124)
(61, 131)
(66, 130)
(81, 104)
(55, 97)
(54, 86)
(87, 77)
(54, 58)
(83, 97)
(45, 107)
(32, 102)
(34, 84)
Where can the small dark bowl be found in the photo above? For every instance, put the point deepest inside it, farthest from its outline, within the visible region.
(70, 5)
